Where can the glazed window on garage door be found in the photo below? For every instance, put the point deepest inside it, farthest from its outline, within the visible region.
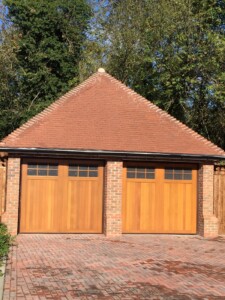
(83, 170)
(140, 172)
(178, 173)
(42, 169)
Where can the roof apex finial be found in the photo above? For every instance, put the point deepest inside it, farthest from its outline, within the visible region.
(101, 70)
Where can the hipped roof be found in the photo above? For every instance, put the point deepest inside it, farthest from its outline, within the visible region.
(104, 114)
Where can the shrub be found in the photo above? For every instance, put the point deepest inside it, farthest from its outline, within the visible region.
(5, 242)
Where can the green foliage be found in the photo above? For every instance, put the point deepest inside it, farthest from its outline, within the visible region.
(9, 106)
(48, 41)
(5, 242)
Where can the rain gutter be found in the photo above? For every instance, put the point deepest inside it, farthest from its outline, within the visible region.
(26, 152)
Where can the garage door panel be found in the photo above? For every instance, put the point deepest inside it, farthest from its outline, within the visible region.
(130, 208)
(166, 204)
(148, 208)
(69, 209)
(135, 207)
(145, 207)
(36, 215)
(182, 203)
(167, 207)
(191, 209)
(83, 209)
(173, 199)
(66, 200)
(179, 207)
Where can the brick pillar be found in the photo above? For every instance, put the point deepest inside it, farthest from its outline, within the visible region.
(207, 221)
(113, 198)
(11, 214)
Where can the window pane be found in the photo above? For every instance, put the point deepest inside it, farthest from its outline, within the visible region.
(169, 170)
(93, 168)
(73, 173)
(142, 170)
(32, 166)
(140, 175)
(150, 170)
(168, 176)
(130, 175)
(178, 171)
(83, 174)
(31, 172)
(42, 172)
(150, 175)
(187, 176)
(42, 166)
(187, 171)
(53, 172)
(93, 174)
(178, 176)
(54, 167)
(131, 169)
(83, 168)
(73, 167)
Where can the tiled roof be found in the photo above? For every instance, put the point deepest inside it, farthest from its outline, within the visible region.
(104, 114)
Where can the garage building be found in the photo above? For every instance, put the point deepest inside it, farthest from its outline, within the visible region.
(102, 159)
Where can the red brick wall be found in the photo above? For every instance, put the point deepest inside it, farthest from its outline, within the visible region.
(113, 198)
(207, 221)
(11, 214)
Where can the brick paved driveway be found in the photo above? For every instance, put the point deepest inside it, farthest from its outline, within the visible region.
(132, 267)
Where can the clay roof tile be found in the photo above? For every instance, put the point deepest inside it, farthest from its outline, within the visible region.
(104, 114)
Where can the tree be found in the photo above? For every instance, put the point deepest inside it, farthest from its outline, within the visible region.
(9, 106)
(50, 39)
(188, 64)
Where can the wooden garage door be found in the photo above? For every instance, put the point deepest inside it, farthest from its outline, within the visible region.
(61, 196)
(159, 199)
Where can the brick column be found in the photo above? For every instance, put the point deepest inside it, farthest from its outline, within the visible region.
(207, 221)
(113, 198)
(11, 214)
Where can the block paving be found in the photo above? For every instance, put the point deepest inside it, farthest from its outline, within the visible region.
(75, 266)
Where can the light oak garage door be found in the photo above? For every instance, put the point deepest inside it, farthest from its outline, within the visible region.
(160, 199)
(61, 196)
